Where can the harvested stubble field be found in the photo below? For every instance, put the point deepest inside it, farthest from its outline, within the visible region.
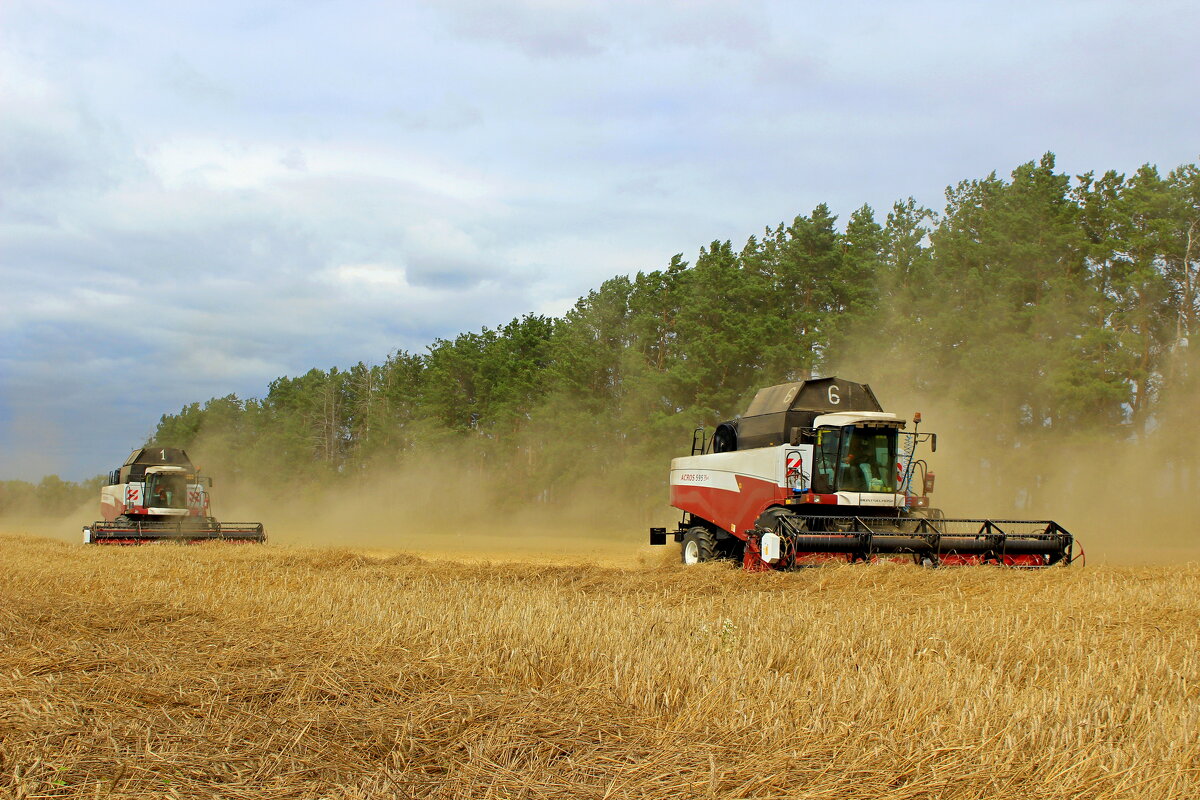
(262, 672)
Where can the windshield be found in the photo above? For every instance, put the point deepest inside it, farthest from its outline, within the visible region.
(855, 459)
(868, 460)
(166, 490)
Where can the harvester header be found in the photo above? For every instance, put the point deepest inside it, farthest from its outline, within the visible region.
(157, 495)
(816, 471)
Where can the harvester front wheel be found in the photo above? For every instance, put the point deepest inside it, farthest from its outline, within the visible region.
(699, 545)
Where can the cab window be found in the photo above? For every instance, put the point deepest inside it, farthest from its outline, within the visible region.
(166, 491)
(868, 462)
(825, 459)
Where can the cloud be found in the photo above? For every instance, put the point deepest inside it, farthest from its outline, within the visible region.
(536, 27)
(560, 28)
(196, 200)
(368, 278)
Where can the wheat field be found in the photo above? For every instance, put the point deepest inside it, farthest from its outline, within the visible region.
(272, 672)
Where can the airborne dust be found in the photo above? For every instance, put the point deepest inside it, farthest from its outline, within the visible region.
(444, 505)
(1126, 501)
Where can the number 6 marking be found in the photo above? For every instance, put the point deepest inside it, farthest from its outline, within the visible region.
(834, 399)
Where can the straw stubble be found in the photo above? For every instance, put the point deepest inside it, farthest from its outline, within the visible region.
(261, 672)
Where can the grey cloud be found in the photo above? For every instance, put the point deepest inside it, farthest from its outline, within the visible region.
(536, 28)
(36, 156)
(152, 298)
(435, 273)
(294, 159)
(444, 117)
(191, 85)
(543, 29)
(27, 161)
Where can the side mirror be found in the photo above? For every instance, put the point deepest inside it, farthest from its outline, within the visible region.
(933, 442)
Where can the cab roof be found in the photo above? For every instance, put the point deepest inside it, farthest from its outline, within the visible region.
(881, 419)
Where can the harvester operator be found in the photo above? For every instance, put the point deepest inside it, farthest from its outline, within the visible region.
(856, 471)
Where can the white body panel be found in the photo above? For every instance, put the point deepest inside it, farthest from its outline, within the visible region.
(874, 499)
(721, 470)
(167, 512)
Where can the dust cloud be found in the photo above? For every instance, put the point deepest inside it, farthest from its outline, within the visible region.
(65, 527)
(447, 504)
(1127, 499)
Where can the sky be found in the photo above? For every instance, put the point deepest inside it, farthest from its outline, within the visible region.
(197, 198)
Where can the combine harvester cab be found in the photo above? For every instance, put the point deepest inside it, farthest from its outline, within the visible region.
(158, 495)
(817, 471)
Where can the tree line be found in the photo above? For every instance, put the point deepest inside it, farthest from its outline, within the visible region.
(1048, 307)
(49, 497)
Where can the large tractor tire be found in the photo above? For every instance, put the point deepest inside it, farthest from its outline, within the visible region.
(699, 545)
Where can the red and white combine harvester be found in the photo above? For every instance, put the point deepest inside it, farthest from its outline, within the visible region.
(157, 495)
(817, 471)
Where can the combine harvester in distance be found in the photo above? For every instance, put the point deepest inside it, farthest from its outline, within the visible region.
(817, 471)
(157, 495)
